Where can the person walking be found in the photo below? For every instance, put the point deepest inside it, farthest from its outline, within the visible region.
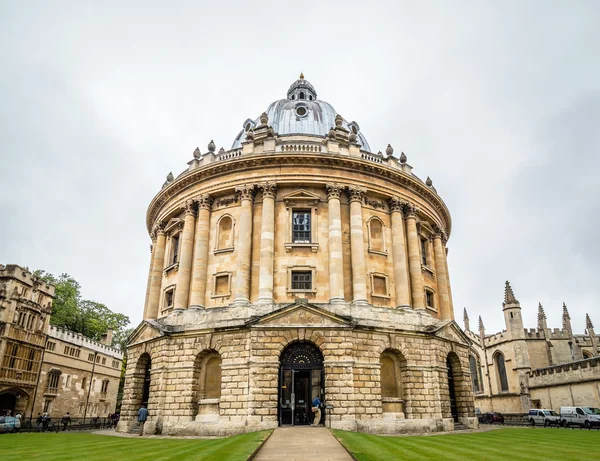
(316, 409)
(142, 417)
(66, 420)
(38, 422)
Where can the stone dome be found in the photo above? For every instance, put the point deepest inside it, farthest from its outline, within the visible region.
(301, 113)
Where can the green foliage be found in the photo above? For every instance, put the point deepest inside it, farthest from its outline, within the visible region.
(89, 318)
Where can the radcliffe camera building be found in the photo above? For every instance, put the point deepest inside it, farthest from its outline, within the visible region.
(298, 263)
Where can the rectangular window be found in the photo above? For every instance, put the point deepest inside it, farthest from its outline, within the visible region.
(302, 280)
(301, 226)
(115, 364)
(174, 249)
(50, 346)
(169, 298)
(424, 252)
(429, 299)
(47, 406)
(97, 359)
(68, 382)
(52, 383)
(103, 360)
(104, 388)
(84, 383)
(379, 286)
(222, 285)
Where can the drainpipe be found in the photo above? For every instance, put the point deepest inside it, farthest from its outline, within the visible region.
(89, 388)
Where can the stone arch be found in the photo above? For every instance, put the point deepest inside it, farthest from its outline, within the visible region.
(225, 232)
(459, 389)
(14, 400)
(207, 385)
(500, 368)
(392, 372)
(141, 381)
(376, 233)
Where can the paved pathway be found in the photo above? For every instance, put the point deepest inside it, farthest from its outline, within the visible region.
(304, 443)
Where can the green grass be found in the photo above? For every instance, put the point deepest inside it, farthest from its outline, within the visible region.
(89, 447)
(503, 444)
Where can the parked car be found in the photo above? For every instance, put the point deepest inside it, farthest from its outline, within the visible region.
(492, 417)
(543, 417)
(9, 424)
(582, 416)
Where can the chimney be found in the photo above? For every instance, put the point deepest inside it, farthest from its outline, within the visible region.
(107, 338)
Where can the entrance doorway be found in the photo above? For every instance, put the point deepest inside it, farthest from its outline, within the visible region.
(301, 379)
(8, 402)
(453, 407)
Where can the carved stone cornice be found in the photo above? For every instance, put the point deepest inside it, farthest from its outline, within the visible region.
(396, 204)
(204, 202)
(394, 178)
(269, 190)
(189, 207)
(410, 210)
(333, 190)
(246, 191)
(356, 194)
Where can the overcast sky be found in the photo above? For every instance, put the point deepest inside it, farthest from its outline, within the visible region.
(498, 102)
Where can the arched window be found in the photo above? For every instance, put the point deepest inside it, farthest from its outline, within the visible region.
(474, 374)
(208, 375)
(392, 366)
(501, 372)
(225, 233)
(376, 235)
(302, 95)
(587, 355)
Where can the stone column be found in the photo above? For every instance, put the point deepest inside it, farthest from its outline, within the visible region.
(186, 244)
(149, 275)
(157, 271)
(414, 258)
(267, 244)
(244, 246)
(199, 273)
(357, 246)
(399, 253)
(336, 263)
(441, 275)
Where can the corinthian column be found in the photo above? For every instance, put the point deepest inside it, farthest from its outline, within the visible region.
(199, 275)
(244, 247)
(414, 258)
(336, 263)
(186, 245)
(157, 271)
(267, 244)
(357, 246)
(442, 276)
(153, 237)
(399, 253)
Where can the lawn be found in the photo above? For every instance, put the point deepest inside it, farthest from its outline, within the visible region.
(514, 444)
(89, 447)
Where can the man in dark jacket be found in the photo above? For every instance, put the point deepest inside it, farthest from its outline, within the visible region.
(66, 420)
(142, 417)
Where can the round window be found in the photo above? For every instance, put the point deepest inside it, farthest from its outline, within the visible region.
(301, 111)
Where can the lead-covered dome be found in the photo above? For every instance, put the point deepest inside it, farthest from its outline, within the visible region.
(301, 113)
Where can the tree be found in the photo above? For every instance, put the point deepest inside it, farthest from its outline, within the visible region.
(89, 318)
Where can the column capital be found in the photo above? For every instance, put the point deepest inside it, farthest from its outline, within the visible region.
(157, 229)
(411, 210)
(440, 233)
(269, 189)
(204, 201)
(396, 204)
(189, 207)
(356, 193)
(334, 190)
(246, 191)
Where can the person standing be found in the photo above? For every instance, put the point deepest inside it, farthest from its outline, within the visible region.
(38, 422)
(142, 417)
(316, 409)
(66, 420)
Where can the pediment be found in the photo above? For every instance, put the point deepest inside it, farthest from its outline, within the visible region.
(174, 224)
(145, 331)
(452, 332)
(301, 196)
(301, 315)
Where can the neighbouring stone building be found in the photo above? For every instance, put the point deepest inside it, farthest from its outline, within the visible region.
(518, 368)
(49, 369)
(298, 263)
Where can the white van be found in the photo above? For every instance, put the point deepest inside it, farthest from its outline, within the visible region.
(581, 416)
(543, 417)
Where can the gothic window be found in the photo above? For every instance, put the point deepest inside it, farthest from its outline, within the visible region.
(376, 237)
(225, 233)
(52, 383)
(501, 372)
(301, 226)
(104, 388)
(474, 374)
